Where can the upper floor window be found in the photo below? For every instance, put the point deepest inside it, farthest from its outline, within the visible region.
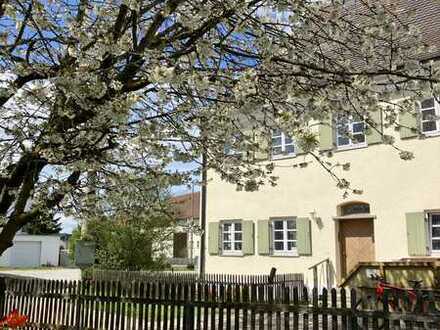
(284, 236)
(350, 132)
(232, 237)
(282, 144)
(430, 120)
(434, 231)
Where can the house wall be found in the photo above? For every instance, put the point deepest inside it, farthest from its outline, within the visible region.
(50, 247)
(390, 185)
(187, 209)
(192, 245)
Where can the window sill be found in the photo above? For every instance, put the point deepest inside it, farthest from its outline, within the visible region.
(232, 254)
(351, 146)
(431, 134)
(284, 254)
(234, 155)
(284, 156)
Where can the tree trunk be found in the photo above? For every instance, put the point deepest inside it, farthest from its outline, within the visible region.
(7, 235)
(27, 174)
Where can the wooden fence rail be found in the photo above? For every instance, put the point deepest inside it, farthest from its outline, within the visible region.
(195, 306)
(182, 277)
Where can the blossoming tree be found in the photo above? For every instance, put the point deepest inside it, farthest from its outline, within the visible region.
(134, 85)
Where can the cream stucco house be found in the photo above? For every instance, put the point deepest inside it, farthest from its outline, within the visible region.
(185, 245)
(305, 220)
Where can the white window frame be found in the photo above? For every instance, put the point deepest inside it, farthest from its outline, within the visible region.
(232, 239)
(283, 145)
(285, 230)
(436, 109)
(351, 144)
(431, 238)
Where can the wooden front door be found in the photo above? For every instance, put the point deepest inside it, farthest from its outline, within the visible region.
(357, 243)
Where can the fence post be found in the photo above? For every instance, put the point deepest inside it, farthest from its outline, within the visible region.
(188, 308)
(315, 277)
(2, 296)
(353, 305)
(386, 311)
(78, 304)
(272, 274)
(188, 317)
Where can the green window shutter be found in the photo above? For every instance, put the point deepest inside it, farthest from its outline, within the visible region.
(248, 237)
(263, 237)
(326, 135)
(417, 232)
(262, 138)
(374, 133)
(213, 238)
(303, 236)
(409, 125)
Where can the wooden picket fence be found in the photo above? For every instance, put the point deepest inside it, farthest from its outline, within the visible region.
(195, 306)
(94, 274)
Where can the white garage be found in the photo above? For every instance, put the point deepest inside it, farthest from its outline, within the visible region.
(31, 251)
(25, 254)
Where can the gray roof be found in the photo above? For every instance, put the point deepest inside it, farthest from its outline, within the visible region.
(424, 14)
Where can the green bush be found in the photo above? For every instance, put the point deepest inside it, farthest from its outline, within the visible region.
(137, 244)
(76, 235)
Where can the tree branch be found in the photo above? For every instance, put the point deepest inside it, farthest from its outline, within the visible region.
(120, 21)
(2, 7)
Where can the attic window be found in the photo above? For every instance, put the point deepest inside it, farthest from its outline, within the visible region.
(355, 208)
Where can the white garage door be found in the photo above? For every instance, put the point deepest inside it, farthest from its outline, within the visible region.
(25, 254)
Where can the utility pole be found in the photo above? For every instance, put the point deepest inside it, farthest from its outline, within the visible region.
(203, 215)
(203, 203)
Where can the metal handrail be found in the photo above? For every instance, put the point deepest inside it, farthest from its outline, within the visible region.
(326, 263)
(317, 264)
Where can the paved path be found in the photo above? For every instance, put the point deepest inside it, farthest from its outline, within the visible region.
(70, 274)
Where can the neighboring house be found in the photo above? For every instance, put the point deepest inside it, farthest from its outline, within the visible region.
(305, 220)
(32, 251)
(186, 239)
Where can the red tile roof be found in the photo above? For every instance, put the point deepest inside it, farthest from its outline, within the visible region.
(187, 206)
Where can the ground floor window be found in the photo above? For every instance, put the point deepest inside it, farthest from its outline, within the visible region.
(434, 231)
(284, 236)
(232, 237)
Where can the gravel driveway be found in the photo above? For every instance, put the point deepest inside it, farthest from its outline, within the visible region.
(70, 274)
